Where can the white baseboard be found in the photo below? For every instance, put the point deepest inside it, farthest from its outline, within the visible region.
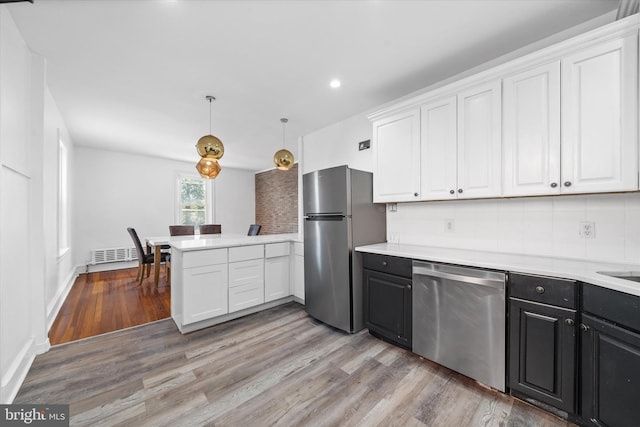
(54, 306)
(14, 376)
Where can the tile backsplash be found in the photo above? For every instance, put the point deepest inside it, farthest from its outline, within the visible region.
(549, 226)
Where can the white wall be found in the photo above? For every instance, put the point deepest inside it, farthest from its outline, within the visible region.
(30, 269)
(59, 270)
(16, 288)
(337, 145)
(115, 190)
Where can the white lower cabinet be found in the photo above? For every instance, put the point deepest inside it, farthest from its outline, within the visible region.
(246, 284)
(205, 292)
(276, 271)
(297, 281)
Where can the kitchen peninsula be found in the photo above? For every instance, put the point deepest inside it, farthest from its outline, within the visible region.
(217, 278)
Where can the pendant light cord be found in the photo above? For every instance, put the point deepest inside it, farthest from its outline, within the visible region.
(283, 121)
(210, 102)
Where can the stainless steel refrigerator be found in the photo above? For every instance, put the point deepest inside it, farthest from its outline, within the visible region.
(339, 215)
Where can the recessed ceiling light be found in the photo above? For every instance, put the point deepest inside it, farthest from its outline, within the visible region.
(335, 83)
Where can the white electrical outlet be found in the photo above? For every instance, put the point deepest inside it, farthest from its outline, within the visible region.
(588, 230)
(394, 238)
(392, 207)
(449, 225)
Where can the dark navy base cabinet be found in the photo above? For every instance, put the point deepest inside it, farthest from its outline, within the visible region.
(387, 298)
(542, 340)
(610, 350)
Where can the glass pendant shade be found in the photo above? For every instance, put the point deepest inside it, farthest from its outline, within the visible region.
(210, 145)
(208, 167)
(283, 159)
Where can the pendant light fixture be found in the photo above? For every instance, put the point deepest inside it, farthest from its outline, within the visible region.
(210, 149)
(283, 158)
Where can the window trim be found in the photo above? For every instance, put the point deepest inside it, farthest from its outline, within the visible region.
(209, 217)
(63, 197)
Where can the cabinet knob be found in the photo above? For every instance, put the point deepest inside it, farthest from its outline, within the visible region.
(384, 263)
(415, 194)
(584, 327)
(452, 192)
(569, 321)
(540, 289)
(459, 190)
(567, 183)
(554, 184)
(408, 286)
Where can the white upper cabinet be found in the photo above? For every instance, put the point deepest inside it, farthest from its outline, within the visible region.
(480, 141)
(557, 121)
(531, 130)
(438, 150)
(600, 117)
(396, 142)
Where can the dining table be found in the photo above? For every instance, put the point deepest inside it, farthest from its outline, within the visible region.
(155, 244)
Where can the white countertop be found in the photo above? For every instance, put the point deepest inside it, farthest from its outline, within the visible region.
(212, 241)
(584, 271)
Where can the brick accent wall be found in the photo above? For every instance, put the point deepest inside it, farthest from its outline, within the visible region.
(277, 201)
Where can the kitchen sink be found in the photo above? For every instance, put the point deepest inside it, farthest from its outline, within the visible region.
(634, 276)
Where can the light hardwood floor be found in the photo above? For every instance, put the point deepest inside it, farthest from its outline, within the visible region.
(277, 367)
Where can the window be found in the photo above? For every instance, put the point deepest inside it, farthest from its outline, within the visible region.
(194, 200)
(63, 199)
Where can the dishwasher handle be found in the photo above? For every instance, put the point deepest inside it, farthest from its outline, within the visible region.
(482, 281)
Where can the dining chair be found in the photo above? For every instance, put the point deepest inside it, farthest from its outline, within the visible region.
(144, 259)
(181, 230)
(254, 229)
(210, 229)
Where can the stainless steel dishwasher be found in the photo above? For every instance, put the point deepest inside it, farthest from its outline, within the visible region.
(459, 320)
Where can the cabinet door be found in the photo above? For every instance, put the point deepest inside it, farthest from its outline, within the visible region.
(438, 151)
(276, 278)
(205, 292)
(298, 276)
(388, 306)
(396, 142)
(542, 357)
(479, 141)
(610, 374)
(531, 125)
(599, 118)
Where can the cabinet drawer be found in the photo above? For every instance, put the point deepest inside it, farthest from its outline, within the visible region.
(272, 250)
(245, 296)
(243, 253)
(202, 258)
(387, 264)
(619, 307)
(243, 272)
(547, 290)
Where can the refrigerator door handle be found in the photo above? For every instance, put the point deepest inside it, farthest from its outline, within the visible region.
(326, 217)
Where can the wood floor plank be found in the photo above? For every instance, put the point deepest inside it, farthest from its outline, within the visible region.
(107, 301)
(277, 367)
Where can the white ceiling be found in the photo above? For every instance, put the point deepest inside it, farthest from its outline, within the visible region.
(132, 75)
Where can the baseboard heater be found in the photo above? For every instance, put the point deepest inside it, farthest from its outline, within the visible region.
(103, 256)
